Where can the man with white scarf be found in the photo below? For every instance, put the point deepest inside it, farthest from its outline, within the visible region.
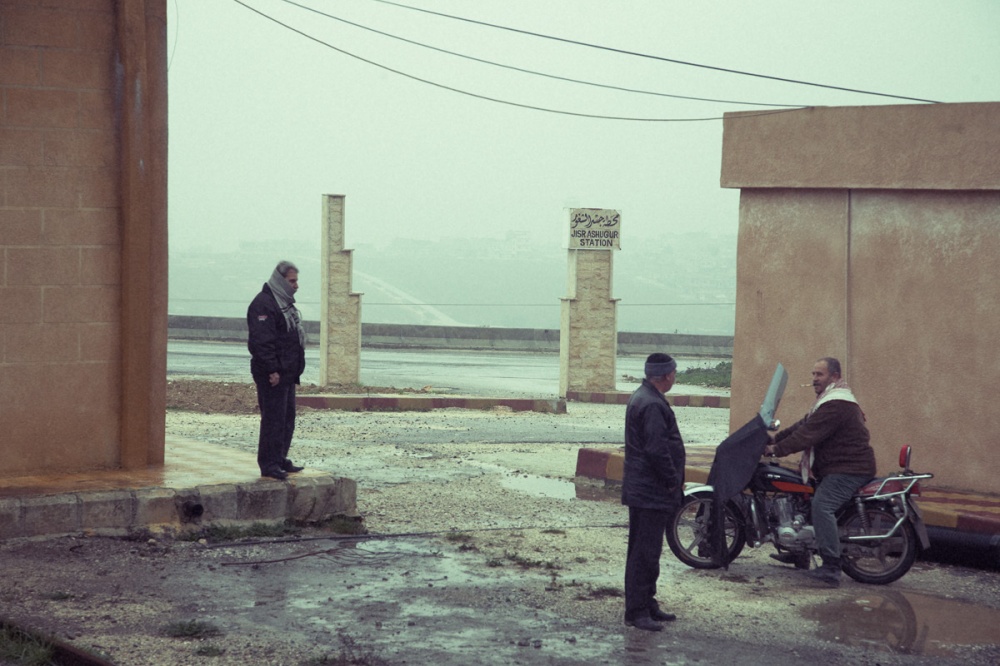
(834, 442)
(277, 344)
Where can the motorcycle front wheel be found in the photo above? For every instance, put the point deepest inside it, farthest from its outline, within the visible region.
(687, 534)
(879, 561)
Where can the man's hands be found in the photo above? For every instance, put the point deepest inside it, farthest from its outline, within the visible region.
(274, 378)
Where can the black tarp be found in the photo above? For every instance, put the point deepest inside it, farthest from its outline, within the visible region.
(736, 458)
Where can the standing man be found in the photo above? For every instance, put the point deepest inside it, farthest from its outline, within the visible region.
(835, 449)
(277, 344)
(652, 488)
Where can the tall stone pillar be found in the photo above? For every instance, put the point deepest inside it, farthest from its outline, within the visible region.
(588, 328)
(340, 308)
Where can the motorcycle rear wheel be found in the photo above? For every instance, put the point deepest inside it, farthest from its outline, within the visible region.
(877, 562)
(687, 534)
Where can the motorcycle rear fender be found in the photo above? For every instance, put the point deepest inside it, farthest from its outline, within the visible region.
(698, 490)
(917, 519)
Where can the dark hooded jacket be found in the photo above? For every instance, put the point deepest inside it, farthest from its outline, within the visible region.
(653, 477)
(273, 347)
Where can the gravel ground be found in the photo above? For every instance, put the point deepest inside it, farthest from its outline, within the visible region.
(481, 549)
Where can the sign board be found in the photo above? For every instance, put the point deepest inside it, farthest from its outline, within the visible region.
(594, 229)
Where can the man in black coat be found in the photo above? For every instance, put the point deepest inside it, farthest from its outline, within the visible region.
(652, 488)
(277, 343)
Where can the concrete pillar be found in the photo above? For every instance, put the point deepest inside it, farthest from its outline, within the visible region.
(588, 328)
(340, 308)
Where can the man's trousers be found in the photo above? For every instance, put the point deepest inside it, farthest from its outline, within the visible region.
(277, 423)
(646, 528)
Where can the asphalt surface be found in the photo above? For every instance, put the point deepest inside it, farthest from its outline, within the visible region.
(498, 374)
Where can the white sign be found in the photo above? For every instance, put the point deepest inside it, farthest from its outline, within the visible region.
(594, 229)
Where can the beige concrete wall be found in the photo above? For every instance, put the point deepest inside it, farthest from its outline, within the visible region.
(340, 307)
(896, 278)
(82, 234)
(588, 332)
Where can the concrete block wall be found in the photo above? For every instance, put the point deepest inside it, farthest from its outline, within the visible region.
(82, 233)
(588, 333)
(340, 316)
(59, 236)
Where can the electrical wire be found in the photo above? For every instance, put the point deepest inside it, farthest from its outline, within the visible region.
(531, 71)
(653, 57)
(497, 100)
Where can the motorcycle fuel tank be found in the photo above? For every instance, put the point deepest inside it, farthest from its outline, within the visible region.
(773, 478)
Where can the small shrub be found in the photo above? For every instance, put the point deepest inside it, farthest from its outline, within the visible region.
(191, 629)
(24, 649)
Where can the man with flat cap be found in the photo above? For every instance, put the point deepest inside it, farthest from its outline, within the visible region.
(652, 488)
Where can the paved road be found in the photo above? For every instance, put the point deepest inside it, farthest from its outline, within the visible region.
(476, 373)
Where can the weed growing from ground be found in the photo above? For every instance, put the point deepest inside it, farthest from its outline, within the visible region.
(23, 649)
(191, 629)
(350, 654)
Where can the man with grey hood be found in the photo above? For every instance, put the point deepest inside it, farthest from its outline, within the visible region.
(277, 344)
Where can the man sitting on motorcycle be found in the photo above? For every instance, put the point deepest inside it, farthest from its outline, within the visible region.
(836, 451)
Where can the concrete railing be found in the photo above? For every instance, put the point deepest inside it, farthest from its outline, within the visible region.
(404, 336)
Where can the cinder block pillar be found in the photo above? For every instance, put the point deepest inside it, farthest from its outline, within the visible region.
(588, 329)
(340, 309)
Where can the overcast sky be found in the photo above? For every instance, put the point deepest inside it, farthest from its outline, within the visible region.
(264, 119)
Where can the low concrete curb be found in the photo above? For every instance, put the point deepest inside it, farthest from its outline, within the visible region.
(122, 511)
(967, 512)
(365, 403)
(621, 398)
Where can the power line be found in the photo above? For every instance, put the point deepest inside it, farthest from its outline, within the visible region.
(494, 99)
(531, 71)
(653, 57)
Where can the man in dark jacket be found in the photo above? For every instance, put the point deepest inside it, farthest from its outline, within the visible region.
(835, 449)
(277, 343)
(652, 488)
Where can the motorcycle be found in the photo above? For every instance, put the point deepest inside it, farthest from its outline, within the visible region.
(881, 527)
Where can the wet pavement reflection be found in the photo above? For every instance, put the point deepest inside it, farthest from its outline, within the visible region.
(905, 622)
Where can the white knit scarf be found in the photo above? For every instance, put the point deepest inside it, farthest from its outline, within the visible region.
(284, 294)
(838, 390)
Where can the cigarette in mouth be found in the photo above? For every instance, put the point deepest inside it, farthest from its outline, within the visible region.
(805, 385)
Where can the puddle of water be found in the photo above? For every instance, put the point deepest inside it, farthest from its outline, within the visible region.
(540, 486)
(906, 623)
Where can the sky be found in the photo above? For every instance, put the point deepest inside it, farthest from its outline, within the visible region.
(264, 119)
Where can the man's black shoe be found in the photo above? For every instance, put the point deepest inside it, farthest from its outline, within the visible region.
(275, 474)
(661, 616)
(292, 469)
(828, 574)
(644, 622)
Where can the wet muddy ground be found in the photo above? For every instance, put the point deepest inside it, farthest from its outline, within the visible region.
(481, 550)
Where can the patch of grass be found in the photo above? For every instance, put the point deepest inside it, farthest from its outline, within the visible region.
(209, 651)
(721, 376)
(350, 654)
(340, 525)
(59, 595)
(463, 540)
(224, 533)
(526, 563)
(191, 629)
(603, 592)
(23, 649)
